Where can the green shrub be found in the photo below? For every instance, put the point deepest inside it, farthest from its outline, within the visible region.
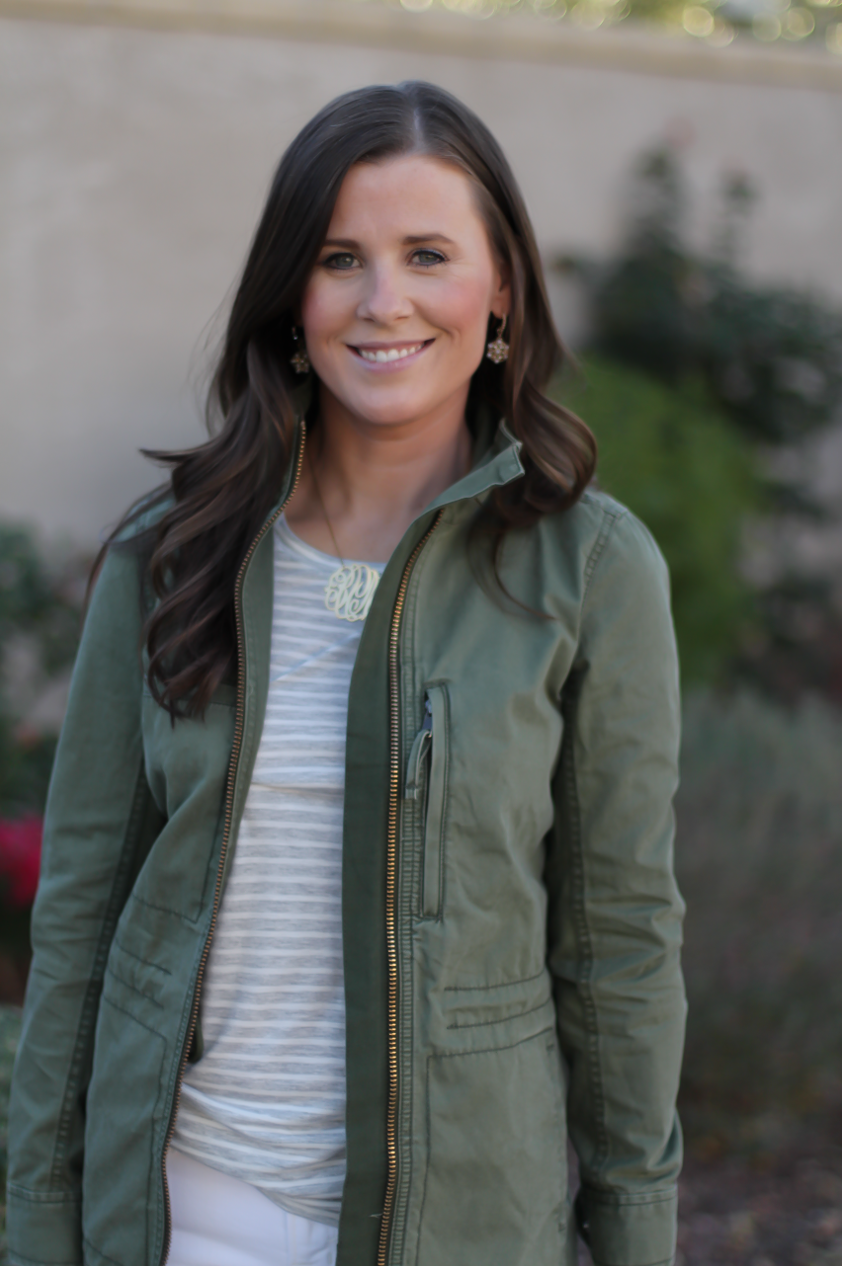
(673, 460)
(759, 860)
(770, 358)
(40, 608)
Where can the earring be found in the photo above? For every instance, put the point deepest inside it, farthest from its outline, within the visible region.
(498, 349)
(299, 360)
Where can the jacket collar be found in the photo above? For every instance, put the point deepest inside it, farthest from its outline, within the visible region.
(495, 463)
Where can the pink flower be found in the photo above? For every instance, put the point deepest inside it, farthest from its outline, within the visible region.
(20, 861)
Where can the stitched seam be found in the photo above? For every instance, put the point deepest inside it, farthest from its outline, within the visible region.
(89, 1244)
(580, 921)
(116, 1006)
(620, 1200)
(506, 984)
(478, 1024)
(139, 957)
(127, 984)
(87, 1018)
(17, 1259)
(178, 914)
(43, 1197)
(492, 1050)
(664, 1261)
(429, 1134)
(611, 518)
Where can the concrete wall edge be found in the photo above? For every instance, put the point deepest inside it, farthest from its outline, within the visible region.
(636, 50)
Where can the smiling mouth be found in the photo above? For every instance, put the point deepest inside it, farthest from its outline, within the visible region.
(383, 355)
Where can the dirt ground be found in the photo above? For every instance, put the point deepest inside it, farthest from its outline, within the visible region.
(784, 1211)
(781, 1208)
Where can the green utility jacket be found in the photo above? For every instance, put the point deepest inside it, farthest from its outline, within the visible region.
(511, 922)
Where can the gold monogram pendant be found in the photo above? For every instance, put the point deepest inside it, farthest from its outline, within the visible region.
(349, 591)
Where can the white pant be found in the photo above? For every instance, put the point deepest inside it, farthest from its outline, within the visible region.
(221, 1221)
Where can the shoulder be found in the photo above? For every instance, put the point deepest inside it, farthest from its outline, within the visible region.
(141, 519)
(600, 535)
(121, 566)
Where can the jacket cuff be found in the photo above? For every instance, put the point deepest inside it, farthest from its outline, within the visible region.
(43, 1228)
(628, 1230)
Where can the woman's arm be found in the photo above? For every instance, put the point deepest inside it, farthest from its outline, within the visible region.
(615, 911)
(99, 822)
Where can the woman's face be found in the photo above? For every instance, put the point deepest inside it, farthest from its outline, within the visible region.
(395, 312)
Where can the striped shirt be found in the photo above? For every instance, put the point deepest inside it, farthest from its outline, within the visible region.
(266, 1103)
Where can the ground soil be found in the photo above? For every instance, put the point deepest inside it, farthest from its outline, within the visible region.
(777, 1210)
(780, 1207)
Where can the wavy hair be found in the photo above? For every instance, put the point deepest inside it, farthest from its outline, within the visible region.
(220, 492)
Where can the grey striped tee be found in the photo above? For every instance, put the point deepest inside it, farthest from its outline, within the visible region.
(266, 1103)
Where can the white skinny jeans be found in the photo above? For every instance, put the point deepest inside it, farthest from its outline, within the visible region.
(221, 1221)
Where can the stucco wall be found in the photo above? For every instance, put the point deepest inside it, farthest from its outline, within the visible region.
(134, 163)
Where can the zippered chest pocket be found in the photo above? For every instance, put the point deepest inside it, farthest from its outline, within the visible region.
(427, 784)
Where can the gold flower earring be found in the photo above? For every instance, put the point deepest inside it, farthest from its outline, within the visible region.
(299, 360)
(498, 349)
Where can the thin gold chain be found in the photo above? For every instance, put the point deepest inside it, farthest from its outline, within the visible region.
(324, 508)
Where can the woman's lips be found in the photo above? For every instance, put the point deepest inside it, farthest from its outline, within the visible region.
(390, 353)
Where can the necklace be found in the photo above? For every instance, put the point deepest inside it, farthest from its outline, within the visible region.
(350, 589)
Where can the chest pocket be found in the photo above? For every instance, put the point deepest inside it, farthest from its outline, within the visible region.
(428, 771)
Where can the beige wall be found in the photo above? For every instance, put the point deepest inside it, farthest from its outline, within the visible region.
(133, 167)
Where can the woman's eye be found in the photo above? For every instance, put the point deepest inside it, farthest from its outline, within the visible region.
(428, 258)
(341, 261)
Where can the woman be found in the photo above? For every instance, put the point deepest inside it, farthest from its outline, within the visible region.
(357, 894)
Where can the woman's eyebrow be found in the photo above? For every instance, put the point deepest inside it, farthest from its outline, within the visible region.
(429, 237)
(348, 243)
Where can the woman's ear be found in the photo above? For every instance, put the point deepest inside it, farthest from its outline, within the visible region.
(501, 303)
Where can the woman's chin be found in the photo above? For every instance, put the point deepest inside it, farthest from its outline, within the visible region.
(390, 408)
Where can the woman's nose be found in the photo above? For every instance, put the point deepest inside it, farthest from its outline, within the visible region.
(385, 300)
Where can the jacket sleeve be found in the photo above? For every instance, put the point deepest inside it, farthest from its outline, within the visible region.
(615, 912)
(98, 809)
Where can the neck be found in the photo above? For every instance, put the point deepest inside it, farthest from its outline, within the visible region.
(375, 477)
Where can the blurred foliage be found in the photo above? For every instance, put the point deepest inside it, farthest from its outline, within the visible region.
(715, 22)
(40, 613)
(37, 601)
(770, 358)
(669, 455)
(767, 364)
(25, 768)
(759, 860)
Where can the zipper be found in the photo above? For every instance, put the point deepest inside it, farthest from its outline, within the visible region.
(418, 753)
(239, 720)
(433, 819)
(391, 869)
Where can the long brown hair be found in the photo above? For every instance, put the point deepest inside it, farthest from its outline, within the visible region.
(220, 493)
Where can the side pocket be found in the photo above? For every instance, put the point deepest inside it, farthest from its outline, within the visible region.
(495, 1190)
(120, 1211)
(426, 783)
(435, 821)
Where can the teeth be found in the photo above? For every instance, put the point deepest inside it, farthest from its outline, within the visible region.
(381, 357)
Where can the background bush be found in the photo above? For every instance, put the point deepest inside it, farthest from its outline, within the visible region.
(759, 859)
(768, 364)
